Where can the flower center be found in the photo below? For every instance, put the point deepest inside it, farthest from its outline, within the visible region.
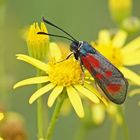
(65, 73)
(112, 53)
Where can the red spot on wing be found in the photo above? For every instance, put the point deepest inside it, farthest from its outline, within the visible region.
(99, 76)
(93, 61)
(108, 74)
(113, 88)
(86, 63)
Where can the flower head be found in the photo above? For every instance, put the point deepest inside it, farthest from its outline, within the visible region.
(115, 50)
(131, 24)
(60, 76)
(98, 112)
(66, 76)
(37, 44)
(120, 9)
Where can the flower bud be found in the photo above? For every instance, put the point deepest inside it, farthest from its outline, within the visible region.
(120, 9)
(98, 114)
(38, 44)
(131, 24)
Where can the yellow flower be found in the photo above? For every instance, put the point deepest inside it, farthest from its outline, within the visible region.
(60, 76)
(120, 9)
(37, 44)
(131, 24)
(99, 113)
(119, 53)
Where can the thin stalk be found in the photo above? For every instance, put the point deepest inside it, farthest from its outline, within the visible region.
(124, 125)
(40, 112)
(82, 133)
(55, 115)
(113, 135)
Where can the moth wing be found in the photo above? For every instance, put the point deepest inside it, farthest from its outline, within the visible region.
(107, 76)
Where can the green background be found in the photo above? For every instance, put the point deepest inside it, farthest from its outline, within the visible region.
(81, 18)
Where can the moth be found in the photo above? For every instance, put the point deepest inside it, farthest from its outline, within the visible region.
(106, 75)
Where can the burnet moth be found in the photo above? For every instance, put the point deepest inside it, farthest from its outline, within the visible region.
(106, 75)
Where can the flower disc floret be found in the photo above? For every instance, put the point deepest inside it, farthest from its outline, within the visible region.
(65, 73)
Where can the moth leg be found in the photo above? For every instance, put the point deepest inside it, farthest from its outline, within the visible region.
(83, 78)
(69, 55)
(83, 73)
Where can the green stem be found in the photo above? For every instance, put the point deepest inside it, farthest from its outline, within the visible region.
(86, 124)
(40, 112)
(113, 135)
(82, 133)
(55, 116)
(125, 127)
(40, 117)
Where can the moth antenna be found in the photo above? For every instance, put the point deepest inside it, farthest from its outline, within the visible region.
(52, 24)
(43, 33)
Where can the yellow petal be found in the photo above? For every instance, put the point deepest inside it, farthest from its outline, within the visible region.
(54, 94)
(98, 113)
(75, 101)
(130, 75)
(139, 103)
(40, 65)
(90, 95)
(43, 28)
(91, 88)
(133, 59)
(112, 109)
(134, 92)
(55, 51)
(40, 92)
(1, 116)
(132, 46)
(119, 39)
(34, 80)
(1, 138)
(104, 37)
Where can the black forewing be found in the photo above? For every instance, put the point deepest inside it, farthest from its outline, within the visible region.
(106, 82)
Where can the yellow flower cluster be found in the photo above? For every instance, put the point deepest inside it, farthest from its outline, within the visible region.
(60, 76)
(115, 50)
(66, 75)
